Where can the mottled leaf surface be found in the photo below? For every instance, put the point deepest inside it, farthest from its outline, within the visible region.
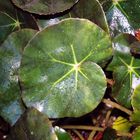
(44, 7)
(32, 125)
(10, 56)
(126, 71)
(89, 9)
(12, 19)
(61, 77)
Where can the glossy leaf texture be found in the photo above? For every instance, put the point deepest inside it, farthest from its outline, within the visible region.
(32, 125)
(126, 70)
(61, 78)
(130, 9)
(89, 9)
(136, 105)
(118, 22)
(11, 106)
(136, 134)
(43, 7)
(12, 19)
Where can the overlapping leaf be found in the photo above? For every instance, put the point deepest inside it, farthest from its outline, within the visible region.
(11, 106)
(12, 19)
(126, 69)
(45, 7)
(89, 9)
(32, 126)
(61, 78)
(130, 9)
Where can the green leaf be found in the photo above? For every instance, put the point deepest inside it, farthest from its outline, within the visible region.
(122, 125)
(12, 19)
(136, 105)
(136, 134)
(33, 125)
(60, 78)
(129, 8)
(89, 9)
(62, 134)
(43, 7)
(11, 106)
(125, 71)
(118, 23)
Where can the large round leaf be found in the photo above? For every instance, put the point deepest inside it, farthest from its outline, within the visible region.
(33, 125)
(12, 19)
(11, 106)
(45, 7)
(58, 72)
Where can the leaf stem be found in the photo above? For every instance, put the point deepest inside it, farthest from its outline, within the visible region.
(115, 105)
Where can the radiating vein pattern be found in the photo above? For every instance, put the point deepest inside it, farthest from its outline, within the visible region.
(130, 69)
(75, 66)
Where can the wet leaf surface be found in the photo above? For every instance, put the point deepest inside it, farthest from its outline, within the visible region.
(61, 77)
(11, 106)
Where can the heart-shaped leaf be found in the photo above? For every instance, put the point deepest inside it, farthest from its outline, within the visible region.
(11, 106)
(12, 19)
(125, 71)
(43, 7)
(33, 125)
(60, 78)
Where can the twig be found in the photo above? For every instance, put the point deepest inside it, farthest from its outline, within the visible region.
(115, 105)
(123, 134)
(91, 135)
(82, 127)
(78, 134)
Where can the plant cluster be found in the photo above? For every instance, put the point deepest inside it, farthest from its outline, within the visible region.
(65, 59)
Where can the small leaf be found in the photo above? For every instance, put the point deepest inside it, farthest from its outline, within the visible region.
(61, 77)
(11, 106)
(136, 134)
(136, 99)
(121, 125)
(126, 70)
(62, 134)
(32, 126)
